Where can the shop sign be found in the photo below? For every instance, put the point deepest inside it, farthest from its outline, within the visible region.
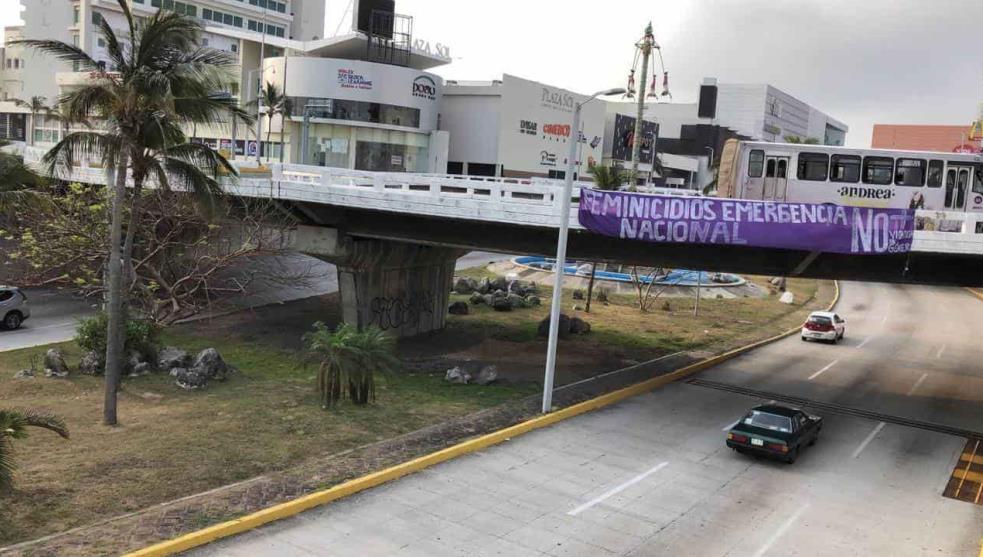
(528, 128)
(547, 159)
(425, 88)
(437, 49)
(557, 100)
(560, 130)
(348, 79)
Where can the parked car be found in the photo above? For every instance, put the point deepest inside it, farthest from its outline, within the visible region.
(13, 307)
(824, 325)
(774, 431)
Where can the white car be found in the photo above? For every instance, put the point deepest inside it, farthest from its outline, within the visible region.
(824, 325)
(13, 307)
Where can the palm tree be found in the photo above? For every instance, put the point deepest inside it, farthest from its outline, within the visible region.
(348, 360)
(275, 103)
(13, 425)
(161, 80)
(36, 105)
(607, 178)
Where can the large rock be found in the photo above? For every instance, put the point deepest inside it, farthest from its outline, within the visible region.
(458, 308)
(209, 364)
(171, 357)
(54, 364)
(787, 297)
(563, 327)
(477, 298)
(578, 326)
(499, 283)
(484, 286)
(91, 363)
(487, 375)
(465, 285)
(501, 304)
(24, 374)
(458, 376)
(189, 379)
(516, 301)
(489, 299)
(142, 368)
(533, 301)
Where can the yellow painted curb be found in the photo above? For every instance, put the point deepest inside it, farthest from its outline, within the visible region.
(296, 506)
(979, 295)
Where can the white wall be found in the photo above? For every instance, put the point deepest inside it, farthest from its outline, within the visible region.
(323, 77)
(44, 19)
(741, 108)
(472, 120)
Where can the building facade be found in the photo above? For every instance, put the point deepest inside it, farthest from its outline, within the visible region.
(945, 139)
(520, 128)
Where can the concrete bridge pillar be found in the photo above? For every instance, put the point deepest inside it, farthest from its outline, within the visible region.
(399, 287)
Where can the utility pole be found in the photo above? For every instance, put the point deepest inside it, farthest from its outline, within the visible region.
(645, 46)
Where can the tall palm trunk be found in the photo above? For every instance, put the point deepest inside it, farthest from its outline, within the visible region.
(269, 129)
(128, 243)
(114, 309)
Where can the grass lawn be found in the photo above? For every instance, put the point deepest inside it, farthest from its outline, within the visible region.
(721, 323)
(173, 443)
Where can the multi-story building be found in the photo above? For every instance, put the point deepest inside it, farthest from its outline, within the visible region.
(375, 107)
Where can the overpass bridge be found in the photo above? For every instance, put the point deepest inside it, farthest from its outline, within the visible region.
(395, 237)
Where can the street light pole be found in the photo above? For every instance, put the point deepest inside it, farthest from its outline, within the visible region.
(561, 250)
(259, 92)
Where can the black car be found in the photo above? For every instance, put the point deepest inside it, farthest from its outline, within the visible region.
(774, 431)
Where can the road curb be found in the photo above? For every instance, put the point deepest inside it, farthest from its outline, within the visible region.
(980, 296)
(340, 491)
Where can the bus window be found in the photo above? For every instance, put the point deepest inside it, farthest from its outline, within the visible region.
(961, 188)
(950, 187)
(782, 168)
(756, 163)
(770, 169)
(878, 170)
(978, 178)
(813, 166)
(910, 172)
(935, 174)
(845, 168)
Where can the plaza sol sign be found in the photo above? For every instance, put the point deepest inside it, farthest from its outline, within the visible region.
(557, 99)
(425, 88)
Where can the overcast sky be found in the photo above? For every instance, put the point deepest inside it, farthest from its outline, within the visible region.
(887, 61)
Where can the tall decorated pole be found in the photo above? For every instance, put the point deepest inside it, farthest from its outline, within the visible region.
(645, 46)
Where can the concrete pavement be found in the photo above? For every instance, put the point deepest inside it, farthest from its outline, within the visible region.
(651, 476)
(54, 314)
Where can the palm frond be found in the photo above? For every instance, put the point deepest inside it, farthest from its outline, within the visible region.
(190, 178)
(61, 51)
(60, 159)
(45, 420)
(113, 47)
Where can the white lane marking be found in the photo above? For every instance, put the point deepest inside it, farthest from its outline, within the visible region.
(730, 426)
(781, 531)
(939, 353)
(866, 340)
(820, 372)
(917, 384)
(618, 489)
(869, 438)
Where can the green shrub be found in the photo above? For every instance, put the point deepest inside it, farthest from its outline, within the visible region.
(141, 336)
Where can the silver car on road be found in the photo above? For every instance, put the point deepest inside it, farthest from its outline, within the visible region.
(13, 307)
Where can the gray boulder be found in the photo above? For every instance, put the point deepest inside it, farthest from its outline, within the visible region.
(578, 326)
(465, 285)
(458, 376)
(178, 371)
(489, 299)
(171, 357)
(91, 363)
(189, 378)
(54, 364)
(563, 328)
(533, 301)
(499, 283)
(501, 304)
(210, 365)
(516, 301)
(477, 298)
(133, 360)
(24, 374)
(458, 308)
(484, 286)
(142, 368)
(487, 375)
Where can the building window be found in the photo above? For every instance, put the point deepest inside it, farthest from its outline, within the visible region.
(155, 3)
(756, 163)
(910, 172)
(75, 39)
(552, 174)
(237, 21)
(455, 168)
(75, 17)
(813, 166)
(206, 14)
(234, 47)
(16, 63)
(844, 168)
(252, 25)
(935, 174)
(228, 19)
(96, 18)
(10, 63)
(359, 111)
(101, 42)
(878, 170)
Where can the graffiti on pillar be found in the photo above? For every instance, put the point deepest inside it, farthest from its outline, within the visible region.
(408, 311)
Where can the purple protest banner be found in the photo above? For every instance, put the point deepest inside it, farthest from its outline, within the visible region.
(740, 222)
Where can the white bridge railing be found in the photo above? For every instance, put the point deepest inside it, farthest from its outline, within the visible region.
(520, 201)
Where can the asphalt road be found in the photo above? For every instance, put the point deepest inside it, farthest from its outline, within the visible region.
(651, 475)
(279, 279)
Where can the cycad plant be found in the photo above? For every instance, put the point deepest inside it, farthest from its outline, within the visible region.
(161, 80)
(348, 360)
(608, 178)
(13, 425)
